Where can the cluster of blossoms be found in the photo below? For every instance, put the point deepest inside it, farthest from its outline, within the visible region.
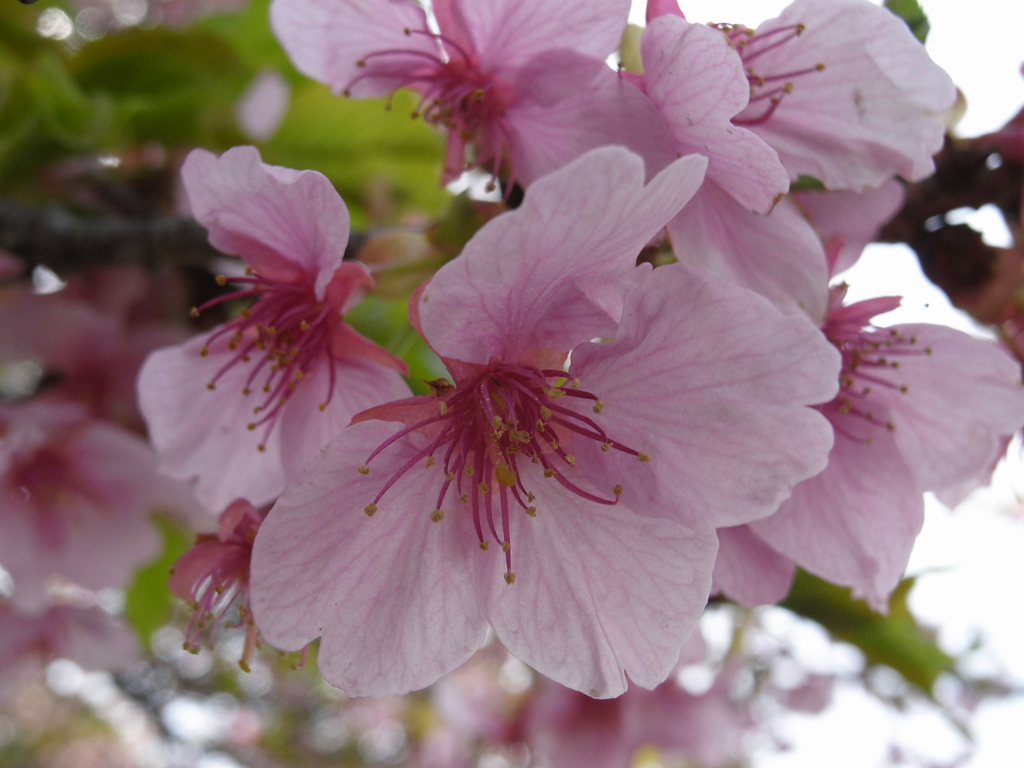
(612, 442)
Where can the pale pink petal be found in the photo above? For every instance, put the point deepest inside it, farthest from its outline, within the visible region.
(76, 499)
(778, 256)
(656, 8)
(855, 523)
(358, 385)
(600, 592)
(605, 110)
(202, 433)
(872, 112)
(508, 33)
(719, 405)
(263, 105)
(90, 637)
(288, 225)
(851, 219)
(326, 38)
(553, 272)
(963, 398)
(695, 78)
(392, 595)
(749, 571)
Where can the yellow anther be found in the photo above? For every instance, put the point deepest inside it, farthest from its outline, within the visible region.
(304, 325)
(485, 545)
(369, 509)
(617, 489)
(643, 456)
(890, 426)
(245, 358)
(203, 352)
(266, 387)
(820, 66)
(298, 375)
(248, 272)
(505, 474)
(211, 385)
(531, 498)
(437, 515)
(496, 423)
(442, 408)
(927, 350)
(598, 406)
(531, 511)
(245, 313)
(221, 280)
(545, 412)
(468, 469)
(510, 578)
(362, 469)
(554, 393)
(549, 473)
(194, 312)
(904, 388)
(322, 407)
(250, 426)
(483, 488)
(570, 459)
(261, 448)
(464, 498)
(606, 447)
(429, 462)
(506, 546)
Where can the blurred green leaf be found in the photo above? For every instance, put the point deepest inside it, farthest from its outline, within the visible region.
(249, 34)
(383, 162)
(806, 184)
(896, 640)
(148, 599)
(913, 14)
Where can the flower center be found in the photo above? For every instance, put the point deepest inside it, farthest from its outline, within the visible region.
(454, 93)
(766, 90)
(488, 433)
(281, 337)
(869, 355)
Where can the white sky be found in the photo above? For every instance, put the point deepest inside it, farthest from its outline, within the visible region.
(971, 558)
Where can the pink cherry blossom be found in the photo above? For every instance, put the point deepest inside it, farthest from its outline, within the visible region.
(214, 575)
(569, 508)
(920, 408)
(844, 93)
(696, 79)
(243, 406)
(75, 498)
(521, 82)
(90, 637)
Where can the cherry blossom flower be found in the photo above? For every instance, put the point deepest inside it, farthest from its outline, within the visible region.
(214, 575)
(521, 82)
(243, 406)
(920, 408)
(844, 92)
(696, 80)
(566, 505)
(75, 499)
(90, 637)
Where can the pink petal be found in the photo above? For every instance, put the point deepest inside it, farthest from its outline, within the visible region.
(870, 114)
(508, 33)
(358, 385)
(326, 38)
(600, 592)
(553, 272)
(778, 256)
(288, 225)
(711, 381)
(392, 595)
(604, 110)
(851, 219)
(855, 523)
(656, 8)
(749, 571)
(203, 434)
(962, 400)
(695, 78)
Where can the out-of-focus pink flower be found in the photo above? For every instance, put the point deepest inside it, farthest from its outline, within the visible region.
(75, 499)
(596, 484)
(90, 637)
(920, 408)
(571, 730)
(243, 406)
(844, 93)
(214, 575)
(264, 104)
(522, 82)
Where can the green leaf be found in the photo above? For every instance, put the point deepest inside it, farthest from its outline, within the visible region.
(896, 640)
(913, 14)
(806, 184)
(148, 599)
(378, 158)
